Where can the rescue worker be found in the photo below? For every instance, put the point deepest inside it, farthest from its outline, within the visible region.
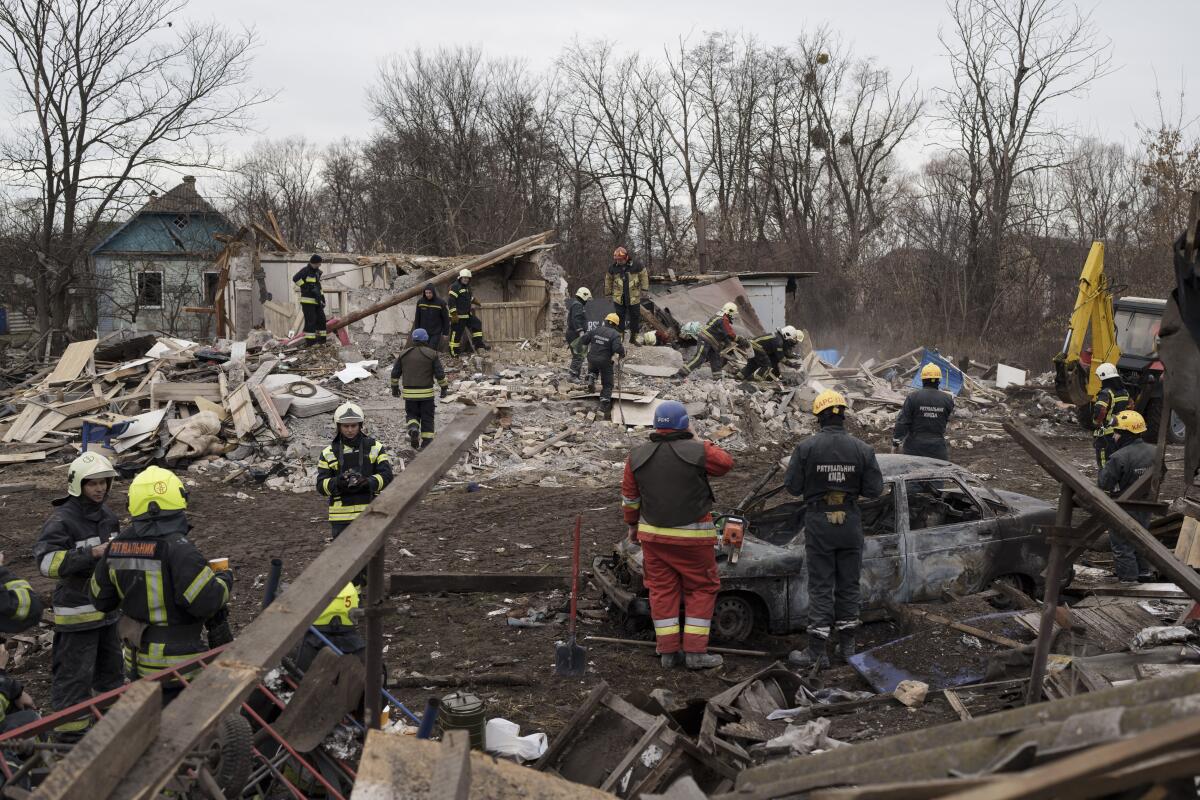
(831, 470)
(769, 352)
(921, 425)
(1111, 400)
(625, 282)
(20, 610)
(464, 325)
(312, 301)
(667, 503)
(336, 625)
(432, 316)
(1131, 456)
(352, 469)
(576, 327)
(603, 345)
(163, 585)
(86, 655)
(420, 365)
(714, 337)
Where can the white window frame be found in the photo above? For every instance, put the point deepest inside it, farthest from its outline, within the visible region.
(162, 288)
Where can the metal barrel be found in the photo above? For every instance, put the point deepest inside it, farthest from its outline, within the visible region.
(463, 711)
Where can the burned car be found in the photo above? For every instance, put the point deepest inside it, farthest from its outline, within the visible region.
(936, 527)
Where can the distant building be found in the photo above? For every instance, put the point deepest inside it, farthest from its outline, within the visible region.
(160, 262)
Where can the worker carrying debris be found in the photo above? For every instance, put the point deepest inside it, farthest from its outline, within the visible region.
(1130, 457)
(603, 344)
(576, 327)
(1111, 400)
(312, 301)
(464, 325)
(714, 337)
(352, 469)
(831, 470)
(432, 316)
(667, 503)
(20, 610)
(86, 655)
(625, 282)
(769, 352)
(419, 365)
(336, 625)
(160, 581)
(921, 424)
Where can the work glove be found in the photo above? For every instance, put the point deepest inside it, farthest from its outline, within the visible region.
(355, 480)
(836, 517)
(895, 446)
(395, 390)
(341, 484)
(445, 390)
(217, 629)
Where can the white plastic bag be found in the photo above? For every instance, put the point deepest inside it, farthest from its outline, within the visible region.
(503, 737)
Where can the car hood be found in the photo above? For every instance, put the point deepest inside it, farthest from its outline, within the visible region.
(757, 559)
(1023, 503)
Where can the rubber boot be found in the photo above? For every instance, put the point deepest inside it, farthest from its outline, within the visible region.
(591, 386)
(846, 646)
(414, 438)
(671, 660)
(814, 655)
(606, 407)
(702, 660)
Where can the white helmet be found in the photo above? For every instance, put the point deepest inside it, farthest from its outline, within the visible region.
(729, 310)
(89, 466)
(791, 333)
(1106, 371)
(464, 273)
(583, 293)
(348, 412)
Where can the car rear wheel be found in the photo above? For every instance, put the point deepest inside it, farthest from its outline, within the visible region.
(733, 618)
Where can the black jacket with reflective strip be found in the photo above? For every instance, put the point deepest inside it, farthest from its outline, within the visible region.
(603, 343)
(576, 320)
(924, 415)
(157, 577)
(1110, 401)
(715, 331)
(1123, 468)
(20, 610)
(833, 461)
(365, 456)
(460, 299)
(432, 315)
(64, 551)
(420, 365)
(673, 479)
(309, 281)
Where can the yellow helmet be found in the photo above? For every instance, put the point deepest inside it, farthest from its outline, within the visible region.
(348, 412)
(88, 467)
(156, 489)
(729, 310)
(1131, 422)
(613, 318)
(931, 372)
(339, 608)
(828, 399)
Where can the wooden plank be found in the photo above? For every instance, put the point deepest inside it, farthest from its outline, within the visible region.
(208, 405)
(241, 408)
(21, 458)
(451, 779)
(978, 633)
(533, 450)
(1187, 549)
(46, 423)
(73, 360)
(957, 704)
(220, 687)
(25, 421)
(267, 406)
(569, 731)
(94, 766)
(183, 392)
(463, 583)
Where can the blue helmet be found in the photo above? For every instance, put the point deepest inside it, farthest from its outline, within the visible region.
(420, 335)
(671, 416)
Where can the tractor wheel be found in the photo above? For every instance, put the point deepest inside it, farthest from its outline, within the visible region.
(230, 759)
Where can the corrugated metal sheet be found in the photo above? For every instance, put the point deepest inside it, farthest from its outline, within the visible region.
(701, 303)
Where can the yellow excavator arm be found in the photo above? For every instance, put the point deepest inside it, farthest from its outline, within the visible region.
(1073, 382)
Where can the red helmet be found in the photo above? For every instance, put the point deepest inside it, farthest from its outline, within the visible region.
(620, 254)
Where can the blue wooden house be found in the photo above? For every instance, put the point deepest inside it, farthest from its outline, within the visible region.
(158, 263)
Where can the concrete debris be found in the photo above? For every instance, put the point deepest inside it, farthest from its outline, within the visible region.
(911, 693)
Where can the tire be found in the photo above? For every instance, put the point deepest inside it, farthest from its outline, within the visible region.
(733, 618)
(231, 758)
(1017, 581)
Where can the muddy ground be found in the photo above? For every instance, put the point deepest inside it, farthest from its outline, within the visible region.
(522, 529)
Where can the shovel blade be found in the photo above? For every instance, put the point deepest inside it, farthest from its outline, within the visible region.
(570, 659)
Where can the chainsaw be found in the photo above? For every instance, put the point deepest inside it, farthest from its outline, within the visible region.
(733, 534)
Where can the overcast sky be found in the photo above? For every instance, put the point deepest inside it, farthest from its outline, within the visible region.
(321, 56)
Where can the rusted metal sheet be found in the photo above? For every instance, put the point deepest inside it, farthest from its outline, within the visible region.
(702, 303)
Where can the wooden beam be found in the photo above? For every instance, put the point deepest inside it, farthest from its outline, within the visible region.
(267, 405)
(221, 686)
(179, 392)
(97, 763)
(462, 583)
(451, 778)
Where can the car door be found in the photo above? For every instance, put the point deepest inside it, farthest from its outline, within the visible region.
(884, 562)
(950, 541)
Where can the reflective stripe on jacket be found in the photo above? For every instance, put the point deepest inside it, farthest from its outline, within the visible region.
(363, 455)
(64, 551)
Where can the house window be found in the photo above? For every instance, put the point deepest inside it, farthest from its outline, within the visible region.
(150, 289)
(211, 280)
(181, 221)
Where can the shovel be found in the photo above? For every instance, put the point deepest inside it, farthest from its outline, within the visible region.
(570, 659)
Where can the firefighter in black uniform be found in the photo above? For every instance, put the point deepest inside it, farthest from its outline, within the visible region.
(769, 352)
(1132, 455)
(420, 366)
(163, 585)
(464, 325)
(921, 424)
(20, 610)
(432, 316)
(831, 470)
(352, 469)
(576, 327)
(714, 337)
(312, 300)
(603, 344)
(1111, 400)
(86, 656)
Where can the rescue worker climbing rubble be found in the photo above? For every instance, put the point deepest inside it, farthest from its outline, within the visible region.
(312, 301)
(86, 655)
(160, 581)
(575, 328)
(769, 352)
(353, 469)
(921, 424)
(432, 316)
(714, 337)
(1130, 457)
(667, 503)
(625, 283)
(1111, 400)
(20, 610)
(831, 470)
(419, 365)
(465, 327)
(603, 344)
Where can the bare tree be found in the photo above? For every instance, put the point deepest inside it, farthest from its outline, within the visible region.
(281, 176)
(106, 95)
